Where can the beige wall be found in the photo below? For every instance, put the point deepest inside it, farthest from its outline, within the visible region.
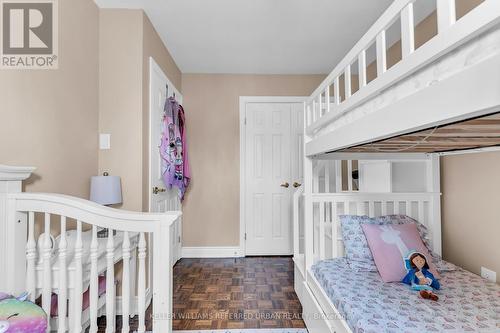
(49, 117)
(120, 99)
(470, 204)
(153, 47)
(471, 210)
(127, 40)
(211, 208)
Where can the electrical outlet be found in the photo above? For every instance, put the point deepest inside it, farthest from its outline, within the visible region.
(488, 274)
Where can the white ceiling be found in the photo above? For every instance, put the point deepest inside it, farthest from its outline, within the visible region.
(258, 36)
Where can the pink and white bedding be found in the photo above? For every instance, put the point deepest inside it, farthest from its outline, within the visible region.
(467, 302)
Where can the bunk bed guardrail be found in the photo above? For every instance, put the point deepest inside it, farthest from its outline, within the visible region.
(63, 268)
(324, 106)
(324, 240)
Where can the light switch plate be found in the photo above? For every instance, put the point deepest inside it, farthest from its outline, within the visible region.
(488, 274)
(104, 141)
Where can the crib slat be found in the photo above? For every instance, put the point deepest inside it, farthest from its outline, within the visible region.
(126, 283)
(110, 283)
(347, 81)
(31, 257)
(322, 206)
(407, 31)
(446, 14)
(381, 53)
(142, 283)
(362, 69)
(94, 280)
(396, 207)
(78, 290)
(62, 294)
(47, 269)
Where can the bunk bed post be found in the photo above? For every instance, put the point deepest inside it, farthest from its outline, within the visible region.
(381, 53)
(13, 230)
(347, 82)
(434, 186)
(327, 99)
(407, 31)
(362, 69)
(308, 207)
(446, 14)
(336, 89)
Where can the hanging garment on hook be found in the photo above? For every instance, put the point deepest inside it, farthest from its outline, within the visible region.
(173, 148)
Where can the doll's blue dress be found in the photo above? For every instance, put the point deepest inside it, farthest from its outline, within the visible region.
(412, 280)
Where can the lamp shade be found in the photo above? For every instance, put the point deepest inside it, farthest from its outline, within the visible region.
(106, 190)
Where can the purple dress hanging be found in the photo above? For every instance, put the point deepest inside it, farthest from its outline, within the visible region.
(173, 149)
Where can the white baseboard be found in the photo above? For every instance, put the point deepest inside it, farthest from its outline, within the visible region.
(212, 252)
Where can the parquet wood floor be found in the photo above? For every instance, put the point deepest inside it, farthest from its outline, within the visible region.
(251, 292)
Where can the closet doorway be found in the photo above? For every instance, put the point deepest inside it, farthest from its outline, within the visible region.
(271, 145)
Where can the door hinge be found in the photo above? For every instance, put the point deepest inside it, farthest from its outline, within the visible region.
(179, 239)
(245, 121)
(245, 236)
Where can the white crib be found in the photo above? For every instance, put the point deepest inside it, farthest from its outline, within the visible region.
(73, 263)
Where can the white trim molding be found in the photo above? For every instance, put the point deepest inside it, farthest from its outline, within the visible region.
(212, 252)
(243, 101)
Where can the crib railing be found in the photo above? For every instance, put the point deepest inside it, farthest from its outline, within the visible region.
(326, 103)
(63, 268)
(324, 239)
(155, 227)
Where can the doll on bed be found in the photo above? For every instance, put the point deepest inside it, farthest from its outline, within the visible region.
(419, 277)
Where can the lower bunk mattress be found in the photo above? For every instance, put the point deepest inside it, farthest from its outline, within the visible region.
(467, 302)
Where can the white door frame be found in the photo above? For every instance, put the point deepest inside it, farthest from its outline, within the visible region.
(243, 101)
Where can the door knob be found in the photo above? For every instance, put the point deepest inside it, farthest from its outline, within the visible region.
(285, 185)
(295, 184)
(157, 190)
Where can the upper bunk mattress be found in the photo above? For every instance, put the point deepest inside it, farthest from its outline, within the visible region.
(467, 303)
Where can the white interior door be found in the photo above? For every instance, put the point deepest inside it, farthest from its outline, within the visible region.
(161, 199)
(273, 163)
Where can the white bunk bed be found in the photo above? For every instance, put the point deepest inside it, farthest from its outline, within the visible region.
(434, 85)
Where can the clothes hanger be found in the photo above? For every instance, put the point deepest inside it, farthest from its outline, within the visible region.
(173, 94)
